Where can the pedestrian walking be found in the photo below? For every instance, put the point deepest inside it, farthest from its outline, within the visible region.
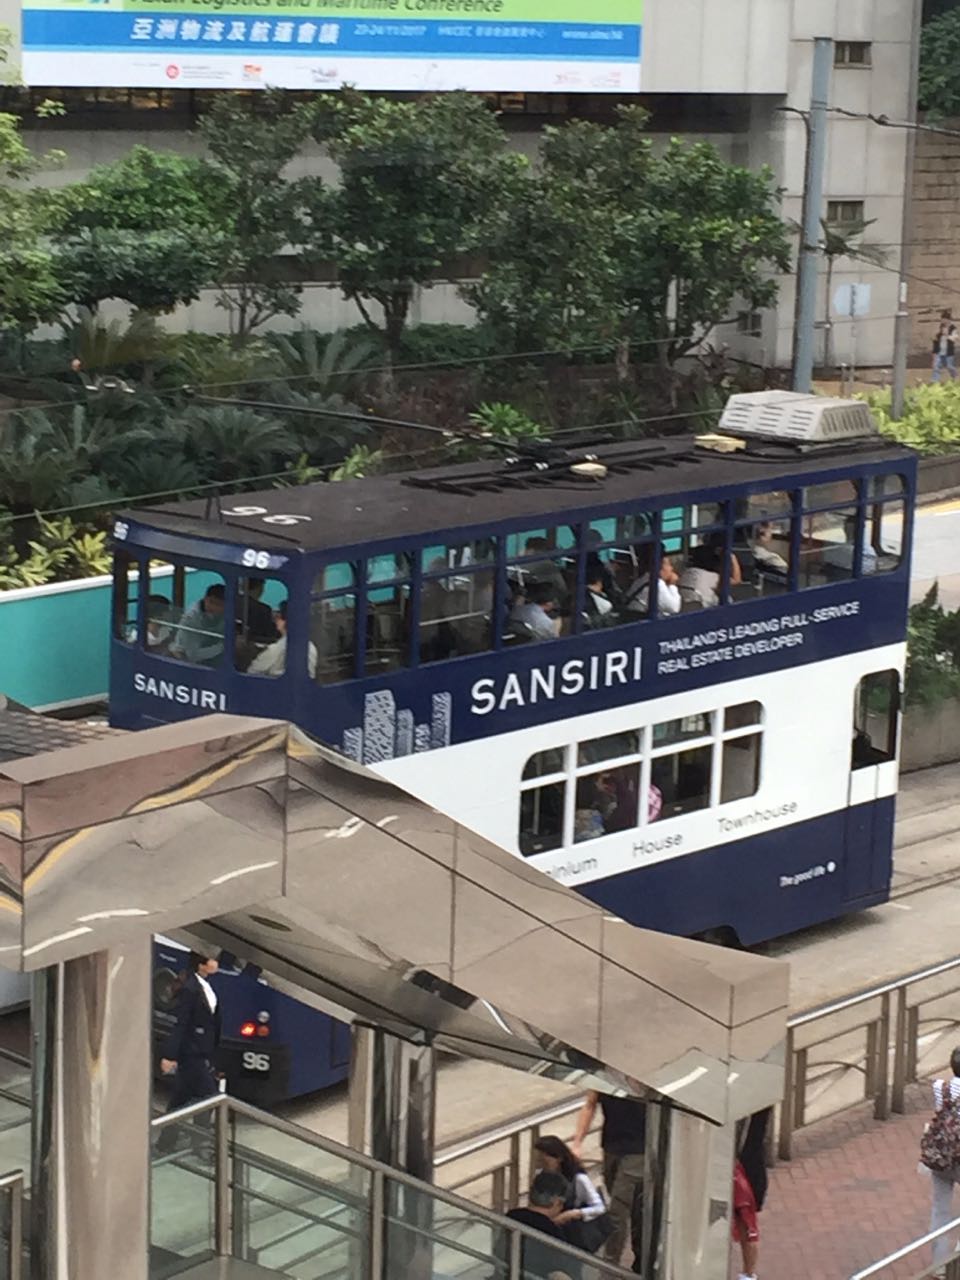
(940, 1155)
(623, 1141)
(746, 1231)
(945, 348)
(190, 1047)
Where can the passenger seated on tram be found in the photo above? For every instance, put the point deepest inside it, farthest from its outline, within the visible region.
(272, 661)
(256, 619)
(199, 637)
(668, 592)
(766, 558)
(700, 580)
(160, 625)
(536, 614)
(545, 570)
(598, 608)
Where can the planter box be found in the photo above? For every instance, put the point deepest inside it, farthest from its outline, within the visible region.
(938, 474)
(931, 735)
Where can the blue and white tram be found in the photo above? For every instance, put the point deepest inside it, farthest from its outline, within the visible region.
(716, 754)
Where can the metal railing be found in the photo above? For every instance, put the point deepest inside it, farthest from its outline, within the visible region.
(885, 1026)
(949, 1269)
(385, 1203)
(512, 1171)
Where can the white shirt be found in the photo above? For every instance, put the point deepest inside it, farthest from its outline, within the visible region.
(272, 660)
(938, 1091)
(668, 596)
(209, 992)
(587, 1198)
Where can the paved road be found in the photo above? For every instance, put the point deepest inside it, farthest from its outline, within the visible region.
(935, 552)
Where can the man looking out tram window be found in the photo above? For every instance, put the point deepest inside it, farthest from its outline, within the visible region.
(199, 637)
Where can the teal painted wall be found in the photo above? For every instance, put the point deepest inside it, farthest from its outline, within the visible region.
(55, 644)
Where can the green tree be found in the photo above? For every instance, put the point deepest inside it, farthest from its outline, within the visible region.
(250, 145)
(29, 289)
(416, 181)
(940, 64)
(631, 246)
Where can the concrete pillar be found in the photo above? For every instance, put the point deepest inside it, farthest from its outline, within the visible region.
(392, 1109)
(91, 1106)
(689, 1190)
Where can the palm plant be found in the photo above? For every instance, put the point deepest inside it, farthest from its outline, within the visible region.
(844, 241)
(231, 443)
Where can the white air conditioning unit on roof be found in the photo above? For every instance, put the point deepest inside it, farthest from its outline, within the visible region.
(793, 416)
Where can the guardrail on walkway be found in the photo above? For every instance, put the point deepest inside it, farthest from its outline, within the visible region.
(888, 1031)
(512, 1172)
(889, 1027)
(949, 1270)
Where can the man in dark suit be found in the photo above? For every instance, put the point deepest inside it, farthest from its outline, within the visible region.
(188, 1051)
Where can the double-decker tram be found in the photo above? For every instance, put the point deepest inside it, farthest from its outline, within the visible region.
(667, 673)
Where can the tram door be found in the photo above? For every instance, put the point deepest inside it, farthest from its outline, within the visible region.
(873, 773)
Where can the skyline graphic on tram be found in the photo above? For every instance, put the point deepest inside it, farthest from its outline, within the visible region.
(670, 678)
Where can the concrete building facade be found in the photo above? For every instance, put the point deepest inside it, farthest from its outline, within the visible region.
(732, 71)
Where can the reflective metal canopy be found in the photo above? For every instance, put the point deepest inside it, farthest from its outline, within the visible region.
(338, 884)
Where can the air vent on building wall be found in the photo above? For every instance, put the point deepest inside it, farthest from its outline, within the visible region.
(792, 416)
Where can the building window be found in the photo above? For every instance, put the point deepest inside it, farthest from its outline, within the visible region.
(750, 323)
(844, 213)
(627, 780)
(852, 53)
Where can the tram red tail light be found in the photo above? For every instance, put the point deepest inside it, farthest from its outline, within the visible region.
(263, 1030)
(248, 1029)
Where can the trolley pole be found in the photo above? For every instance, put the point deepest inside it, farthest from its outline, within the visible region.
(809, 259)
(901, 338)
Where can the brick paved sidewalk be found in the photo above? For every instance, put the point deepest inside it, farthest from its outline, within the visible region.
(850, 1195)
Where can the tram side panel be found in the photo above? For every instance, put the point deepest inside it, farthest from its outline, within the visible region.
(808, 836)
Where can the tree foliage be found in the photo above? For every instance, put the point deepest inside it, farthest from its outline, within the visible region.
(250, 145)
(416, 181)
(940, 64)
(613, 241)
(30, 291)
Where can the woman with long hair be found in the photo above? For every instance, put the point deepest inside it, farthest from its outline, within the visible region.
(584, 1202)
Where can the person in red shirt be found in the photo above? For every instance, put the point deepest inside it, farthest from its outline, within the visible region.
(745, 1229)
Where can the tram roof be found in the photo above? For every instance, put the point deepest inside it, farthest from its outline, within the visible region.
(408, 504)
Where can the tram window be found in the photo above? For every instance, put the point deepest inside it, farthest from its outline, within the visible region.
(613, 746)
(875, 712)
(199, 634)
(888, 486)
(541, 579)
(606, 802)
(388, 622)
(332, 625)
(541, 818)
(761, 543)
(261, 640)
(701, 515)
(682, 779)
(671, 732)
(838, 493)
(701, 573)
(456, 610)
(545, 762)
(166, 599)
(124, 602)
(388, 568)
(740, 776)
(458, 555)
(885, 523)
(742, 716)
(827, 546)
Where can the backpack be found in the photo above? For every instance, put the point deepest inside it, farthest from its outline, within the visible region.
(940, 1144)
